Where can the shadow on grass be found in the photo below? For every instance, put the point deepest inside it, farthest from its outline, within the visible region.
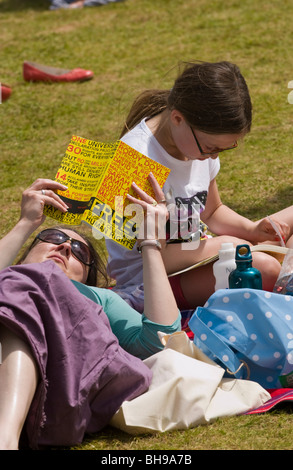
(278, 201)
(109, 438)
(19, 5)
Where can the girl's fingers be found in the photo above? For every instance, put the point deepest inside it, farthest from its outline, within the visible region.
(156, 187)
(155, 213)
(142, 194)
(159, 195)
(141, 202)
(150, 208)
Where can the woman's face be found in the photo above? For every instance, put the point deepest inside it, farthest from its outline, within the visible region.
(191, 143)
(61, 255)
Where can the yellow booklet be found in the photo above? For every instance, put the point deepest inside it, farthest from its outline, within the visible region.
(98, 177)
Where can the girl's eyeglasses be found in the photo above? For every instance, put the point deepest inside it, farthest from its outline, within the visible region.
(214, 151)
(79, 249)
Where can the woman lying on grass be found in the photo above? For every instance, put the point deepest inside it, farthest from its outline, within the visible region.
(63, 371)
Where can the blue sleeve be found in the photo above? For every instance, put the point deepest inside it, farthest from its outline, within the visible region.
(135, 332)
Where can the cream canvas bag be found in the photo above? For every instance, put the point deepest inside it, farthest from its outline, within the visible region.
(187, 389)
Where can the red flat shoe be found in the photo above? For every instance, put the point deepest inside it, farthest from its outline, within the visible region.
(33, 72)
(5, 92)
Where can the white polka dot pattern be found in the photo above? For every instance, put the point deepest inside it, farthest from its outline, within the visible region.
(251, 326)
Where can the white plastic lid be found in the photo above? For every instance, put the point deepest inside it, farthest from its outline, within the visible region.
(227, 247)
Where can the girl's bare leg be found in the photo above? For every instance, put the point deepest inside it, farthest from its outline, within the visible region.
(199, 284)
(18, 382)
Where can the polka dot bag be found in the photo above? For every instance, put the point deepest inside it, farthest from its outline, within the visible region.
(249, 333)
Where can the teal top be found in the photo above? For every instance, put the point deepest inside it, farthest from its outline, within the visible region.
(136, 333)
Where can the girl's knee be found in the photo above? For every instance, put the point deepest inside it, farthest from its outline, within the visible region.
(269, 268)
(230, 239)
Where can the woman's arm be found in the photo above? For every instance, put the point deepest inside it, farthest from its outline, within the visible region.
(34, 198)
(159, 302)
(138, 333)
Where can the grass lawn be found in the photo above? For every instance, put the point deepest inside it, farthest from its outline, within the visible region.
(130, 46)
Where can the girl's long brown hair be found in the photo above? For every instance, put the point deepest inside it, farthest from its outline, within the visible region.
(212, 96)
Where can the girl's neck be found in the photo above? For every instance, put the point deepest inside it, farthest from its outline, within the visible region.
(160, 127)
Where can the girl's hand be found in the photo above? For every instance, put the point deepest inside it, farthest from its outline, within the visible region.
(34, 198)
(155, 211)
(268, 229)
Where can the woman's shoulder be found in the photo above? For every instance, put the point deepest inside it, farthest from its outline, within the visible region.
(99, 295)
(138, 136)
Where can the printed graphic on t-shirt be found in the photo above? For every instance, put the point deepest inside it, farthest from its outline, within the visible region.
(184, 223)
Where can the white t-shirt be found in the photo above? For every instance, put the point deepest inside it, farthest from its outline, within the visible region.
(186, 185)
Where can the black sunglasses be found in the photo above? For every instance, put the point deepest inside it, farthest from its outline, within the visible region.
(79, 249)
(213, 152)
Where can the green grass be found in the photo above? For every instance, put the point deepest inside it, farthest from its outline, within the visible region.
(130, 46)
(268, 432)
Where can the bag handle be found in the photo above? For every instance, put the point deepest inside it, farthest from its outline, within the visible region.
(216, 345)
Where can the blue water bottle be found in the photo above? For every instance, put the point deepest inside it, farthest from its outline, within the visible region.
(244, 276)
